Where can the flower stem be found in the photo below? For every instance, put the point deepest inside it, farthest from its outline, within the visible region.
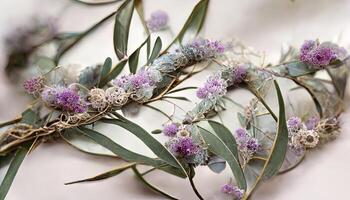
(190, 178)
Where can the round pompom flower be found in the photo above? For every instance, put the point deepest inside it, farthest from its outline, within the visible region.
(170, 129)
(158, 20)
(294, 124)
(34, 85)
(213, 88)
(69, 100)
(97, 99)
(232, 190)
(239, 73)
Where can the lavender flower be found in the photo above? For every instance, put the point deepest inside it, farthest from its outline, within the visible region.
(188, 149)
(312, 122)
(232, 190)
(320, 55)
(158, 21)
(214, 88)
(170, 129)
(240, 73)
(246, 142)
(34, 86)
(65, 99)
(294, 124)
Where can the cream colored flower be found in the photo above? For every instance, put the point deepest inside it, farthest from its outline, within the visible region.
(310, 138)
(116, 96)
(97, 98)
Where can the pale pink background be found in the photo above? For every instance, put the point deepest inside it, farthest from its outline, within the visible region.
(264, 24)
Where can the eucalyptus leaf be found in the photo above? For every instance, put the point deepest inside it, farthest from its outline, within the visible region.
(157, 131)
(178, 98)
(90, 76)
(113, 73)
(45, 64)
(218, 147)
(193, 24)
(106, 68)
(30, 117)
(216, 164)
(155, 51)
(134, 57)
(121, 28)
(105, 175)
(225, 135)
(293, 69)
(181, 89)
(16, 162)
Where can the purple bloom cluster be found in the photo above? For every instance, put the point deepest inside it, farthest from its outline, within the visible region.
(158, 20)
(65, 99)
(140, 85)
(294, 123)
(170, 129)
(312, 122)
(232, 190)
(239, 74)
(320, 55)
(246, 142)
(213, 88)
(34, 86)
(188, 149)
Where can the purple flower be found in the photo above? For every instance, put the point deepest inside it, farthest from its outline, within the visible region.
(294, 123)
(239, 73)
(65, 99)
(34, 86)
(312, 122)
(214, 87)
(232, 190)
(170, 129)
(320, 55)
(245, 142)
(158, 20)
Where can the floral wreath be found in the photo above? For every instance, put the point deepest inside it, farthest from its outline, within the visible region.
(265, 144)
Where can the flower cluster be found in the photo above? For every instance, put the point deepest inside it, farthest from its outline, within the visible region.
(320, 55)
(188, 54)
(158, 21)
(186, 148)
(213, 88)
(34, 86)
(64, 98)
(170, 129)
(232, 190)
(139, 85)
(235, 74)
(300, 136)
(247, 145)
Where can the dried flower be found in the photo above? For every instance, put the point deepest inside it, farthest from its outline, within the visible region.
(294, 124)
(34, 85)
(309, 138)
(116, 96)
(247, 145)
(232, 190)
(97, 99)
(214, 88)
(65, 99)
(186, 148)
(239, 73)
(312, 122)
(320, 55)
(170, 129)
(158, 21)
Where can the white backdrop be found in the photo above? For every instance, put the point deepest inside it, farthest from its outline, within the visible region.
(264, 24)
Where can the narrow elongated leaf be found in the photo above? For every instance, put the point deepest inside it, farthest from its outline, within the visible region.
(149, 185)
(218, 147)
(339, 78)
(226, 136)
(113, 73)
(121, 28)
(105, 175)
(106, 68)
(181, 89)
(178, 98)
(155, 51)
(193, 24)
(134, 58)
(12, 171)
(292, 69)
(156, 147)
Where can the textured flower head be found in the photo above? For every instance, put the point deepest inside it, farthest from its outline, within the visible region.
(247, 145)
(116, 96)
(213, 88)
(232, 190)
(294, 124)
(320, 55)
(34, 86)
(158, 21)
(312, 122)
(170, 129)
(97, 99)
(65, 99)
(239, 73)
(188, 149)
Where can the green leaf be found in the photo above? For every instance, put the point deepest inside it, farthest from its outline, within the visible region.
(30, 117)
(292, 69)
(156, 147)
(178, 98)
(157, 131)
(216, 164)
(113, 73)
(105, 175)
(134, 58)
(225, 135)
(219, 148)
(12, 171)
(45, 64)
(155, 51)
(181, 89)
(144, 181)
(193, 24)
(90, 76)
(106, 68)
(121, 28)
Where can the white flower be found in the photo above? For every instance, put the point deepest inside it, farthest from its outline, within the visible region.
(116, 96)
(97, 98)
